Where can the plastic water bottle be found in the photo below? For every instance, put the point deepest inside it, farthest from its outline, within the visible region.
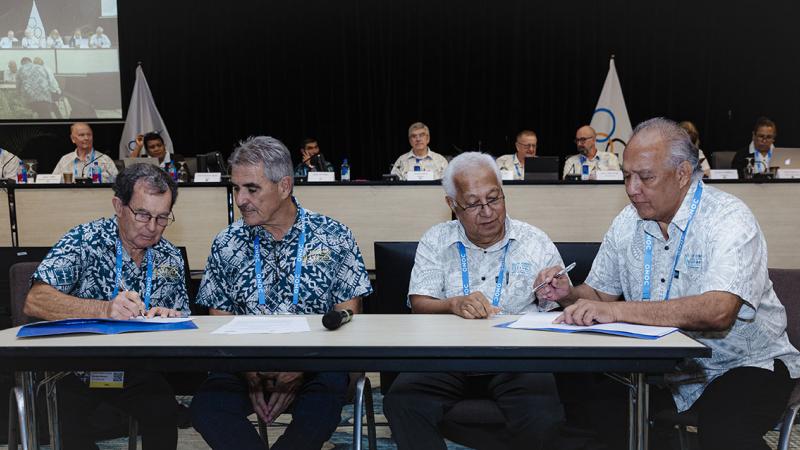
(345, 171)
(97, 177)
(22, 173)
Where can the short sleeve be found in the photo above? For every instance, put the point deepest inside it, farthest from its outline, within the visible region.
(427, 276)
(606, 272)
(352, 279)
(62, 266)
(215, 291)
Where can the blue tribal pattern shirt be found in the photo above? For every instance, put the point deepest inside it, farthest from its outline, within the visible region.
(83, 264)
(333, 270)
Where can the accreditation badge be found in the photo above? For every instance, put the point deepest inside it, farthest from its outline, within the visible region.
(112, 380)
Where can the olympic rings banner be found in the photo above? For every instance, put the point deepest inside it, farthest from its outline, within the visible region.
(610, 117)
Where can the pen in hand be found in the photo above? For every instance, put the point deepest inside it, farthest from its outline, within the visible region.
(560, 274)
(125, 289)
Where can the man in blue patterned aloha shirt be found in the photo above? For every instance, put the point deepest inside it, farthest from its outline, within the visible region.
(278, 259)
(690, 256)
(117, 268)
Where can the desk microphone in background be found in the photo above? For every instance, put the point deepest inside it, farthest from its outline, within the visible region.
(333, 319)
(89, 164)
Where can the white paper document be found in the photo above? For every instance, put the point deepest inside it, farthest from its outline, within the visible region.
(159, 319)
(264, 325)
(544, 321)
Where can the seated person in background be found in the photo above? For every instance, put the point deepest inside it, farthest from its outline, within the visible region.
(79, 161)
(153, 145)
(9, 40)
(112, 268)
(502, 257)
(99, 39)
(420, 157)
(251, 271)
(29, 41)
(10, 75)
(9, 163)
(716, 289)
(526, 148)
(77, 39)
(54, 40)
(760, 149)
(312, 161)
(694, 136)
(586, 141)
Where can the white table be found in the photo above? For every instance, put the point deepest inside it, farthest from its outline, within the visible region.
(420, 343)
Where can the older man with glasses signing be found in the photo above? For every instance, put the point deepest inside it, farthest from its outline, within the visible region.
(481, 264)
(117, 268)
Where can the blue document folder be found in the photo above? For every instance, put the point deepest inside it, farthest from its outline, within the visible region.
(103, 326)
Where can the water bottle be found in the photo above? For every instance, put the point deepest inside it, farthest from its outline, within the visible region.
(96, 176)
(183, 174)
(22, 173)
(585, 172)
(345, 171)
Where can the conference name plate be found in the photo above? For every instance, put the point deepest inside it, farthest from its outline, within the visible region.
(207, 177)
(724, 174)
(48, 178)
(608, 175)
(318, 177)
(422, 175)
(788, 173)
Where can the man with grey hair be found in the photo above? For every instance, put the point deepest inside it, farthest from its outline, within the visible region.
(279, 258)
(688, 255)
(420, 158)
(479, 265)
(117, 268)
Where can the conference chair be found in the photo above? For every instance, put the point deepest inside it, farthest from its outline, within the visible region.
(786, 283)
(476, 423)
(722, 160)
(360, 395)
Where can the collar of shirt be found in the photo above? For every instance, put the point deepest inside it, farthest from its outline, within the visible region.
(295, 230)
(411, 154)
(111, 233)
(681, 217)
(461, 236)
(516, 161)
(752, 148)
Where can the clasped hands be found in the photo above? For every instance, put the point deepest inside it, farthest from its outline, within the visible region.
(281, 387)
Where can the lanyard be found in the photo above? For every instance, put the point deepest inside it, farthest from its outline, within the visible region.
(648, 248)
(498, 289)
(516, 167)
(764, 160)
(298, 263)
(75, 167)
(148, 283)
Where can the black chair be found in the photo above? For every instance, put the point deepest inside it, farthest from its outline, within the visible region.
(722, 160)
(477, 423)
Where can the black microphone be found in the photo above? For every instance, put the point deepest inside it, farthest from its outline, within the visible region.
(333, 319)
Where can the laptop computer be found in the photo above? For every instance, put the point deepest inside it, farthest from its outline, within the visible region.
(131, 161)
(542, 168)
(785, 158)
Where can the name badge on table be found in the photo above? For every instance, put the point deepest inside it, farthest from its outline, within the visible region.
(106, 380)
(608, 175)
(788, 173)
(724, 174)
(314, 177)
(207, 177)
(48, 178)
(422, 175)
(506, 175)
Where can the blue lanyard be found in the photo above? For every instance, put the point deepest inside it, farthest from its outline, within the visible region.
(75, 167)
(298, 263)
(498, 289)
(583, 159)
(648, 248)
(148, 283)
(516, 167)
(764, 160)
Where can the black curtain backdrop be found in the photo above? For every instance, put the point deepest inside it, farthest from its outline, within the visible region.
(356, 73)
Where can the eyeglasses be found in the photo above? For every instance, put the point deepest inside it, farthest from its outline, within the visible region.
(583, 139)
(528, 146)
(146, 217)
(492, 202)
(765, 137)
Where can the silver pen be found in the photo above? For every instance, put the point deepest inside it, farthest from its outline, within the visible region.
(124, 288)
(560, 274)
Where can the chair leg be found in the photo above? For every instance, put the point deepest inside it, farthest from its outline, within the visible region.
(683, 438)
(358, 413)
(371, 430)
(786, 427)
(51, 397)
(13, 419)
(19, 414)
(26, 409)
(133, 433)
(262, 431)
